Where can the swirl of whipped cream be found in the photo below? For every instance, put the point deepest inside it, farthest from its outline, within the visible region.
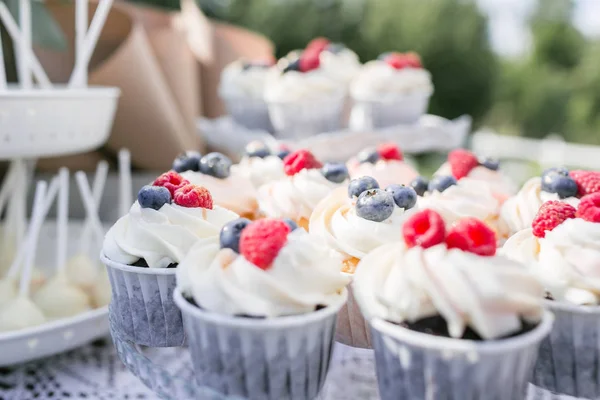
(234, 193)
(379, 81)
(500, 185)
(488, 294)
(162, 237)
(386, 172)
(523, 247)
(305, 274)
(239, 82)
(302, 86)
(519, 211)
(294, 196)
(343, 65)
(259, 170)
(335, 220)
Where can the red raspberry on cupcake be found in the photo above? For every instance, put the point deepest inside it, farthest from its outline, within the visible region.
(299, 160)
(171, 180)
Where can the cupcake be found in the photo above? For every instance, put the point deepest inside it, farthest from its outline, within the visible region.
(392, 90)
(464, 164)
(260, 164)
(353, 222)
(242, 89)
(213, 171)
(336, 59)
(307, 182)
(303, 97)
(554, 184)
(142, 249)
(260, 320)
(385, 163)
(448, 315)
(562, 249)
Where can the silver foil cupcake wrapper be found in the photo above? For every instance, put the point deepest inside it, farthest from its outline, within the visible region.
(352, 329)
(142, 305)
(383, 114)
(569, 359)
(412, 365)
(281, 358)
(250, 113)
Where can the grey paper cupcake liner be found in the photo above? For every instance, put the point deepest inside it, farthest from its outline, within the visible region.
(250, 113)
(142, 304)
(278, 359)
(301, 119)
(352, 329)
(375, 114)
(569, 359)
(413, 365)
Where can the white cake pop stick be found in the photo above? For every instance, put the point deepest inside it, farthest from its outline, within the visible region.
(98, 191)
(2, 70)
(89, 204)
(25, 44)
(39, 206)
(81, 25)
(7, 185)
(62, 218)
(125, 196)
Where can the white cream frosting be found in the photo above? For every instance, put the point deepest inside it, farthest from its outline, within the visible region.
(488, 294)
(385, 172)
(335, 220)
(343, 65)
(519, 211)
(237, 82)
(295, 196)
(234, 193)
(296, 86)
(500, 185)
(259, 170)
(379, 81)
(162, 237)
(304, 275)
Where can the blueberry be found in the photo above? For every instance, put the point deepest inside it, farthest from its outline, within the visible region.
(490, 163)
(291, 223)
(565, 186)
(549, 175)
(335, 172)
(359, 185)
(293, 65)
(385, 55)
(375, 205)
(229, 238)
(154, 197)
(556, 170)
(335, 48)
(420, 184)
(188, 161)
(215, 164)
(369, 155)
(404, 196)
(257, 149)
(441, 183)
(283, 153)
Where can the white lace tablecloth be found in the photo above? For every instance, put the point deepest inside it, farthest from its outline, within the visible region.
(95, 372)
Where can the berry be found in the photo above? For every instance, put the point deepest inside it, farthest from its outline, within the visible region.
(559, 170)
(171, 180)
(257, 149)
(375, 205)
(413, 60)
(490, 163)
(317, 45)
(215, 164)
(563, 186)
(188, 161)
(229, 238)
(291, 223)
(154, 197)
(390, 151)
(397, 61)
(550, 215)
(299, 160)
(359, 185)
(462, 162)
(309, 61)
(283, 153)
(424, 228)
(335, 172)
(261, 241)
(441, 183)
(335, 48)
(420, 184)
(588, 182)
(292, 65)
(589, 208)
(549, 177)
(404, 196)
(370, 155)
(472, 235)
(193, 196)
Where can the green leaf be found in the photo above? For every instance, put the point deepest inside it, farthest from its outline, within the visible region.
(46, 32)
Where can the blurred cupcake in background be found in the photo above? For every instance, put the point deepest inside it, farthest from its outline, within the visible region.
(242, 88)
(392, 90)
(261, 164)
(385, 163)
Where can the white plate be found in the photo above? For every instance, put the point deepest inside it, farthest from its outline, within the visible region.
(56, 336)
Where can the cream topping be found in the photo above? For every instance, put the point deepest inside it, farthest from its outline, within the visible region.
(343, 65)
(302, 86)
(386, 172)
(237, 82)
(500, 185)
(259, 170)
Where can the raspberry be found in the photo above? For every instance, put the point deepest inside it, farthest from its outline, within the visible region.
(550, 215)
(397, 61)
(261, 241)
(193, 196)
(588, 182)
(390, 151)
(317, 45)
(413, 60)
(172, 181)
(589, 208)
(309, 61)
(472, 235)
(424, 228)
(462, 162)
(299, 160)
